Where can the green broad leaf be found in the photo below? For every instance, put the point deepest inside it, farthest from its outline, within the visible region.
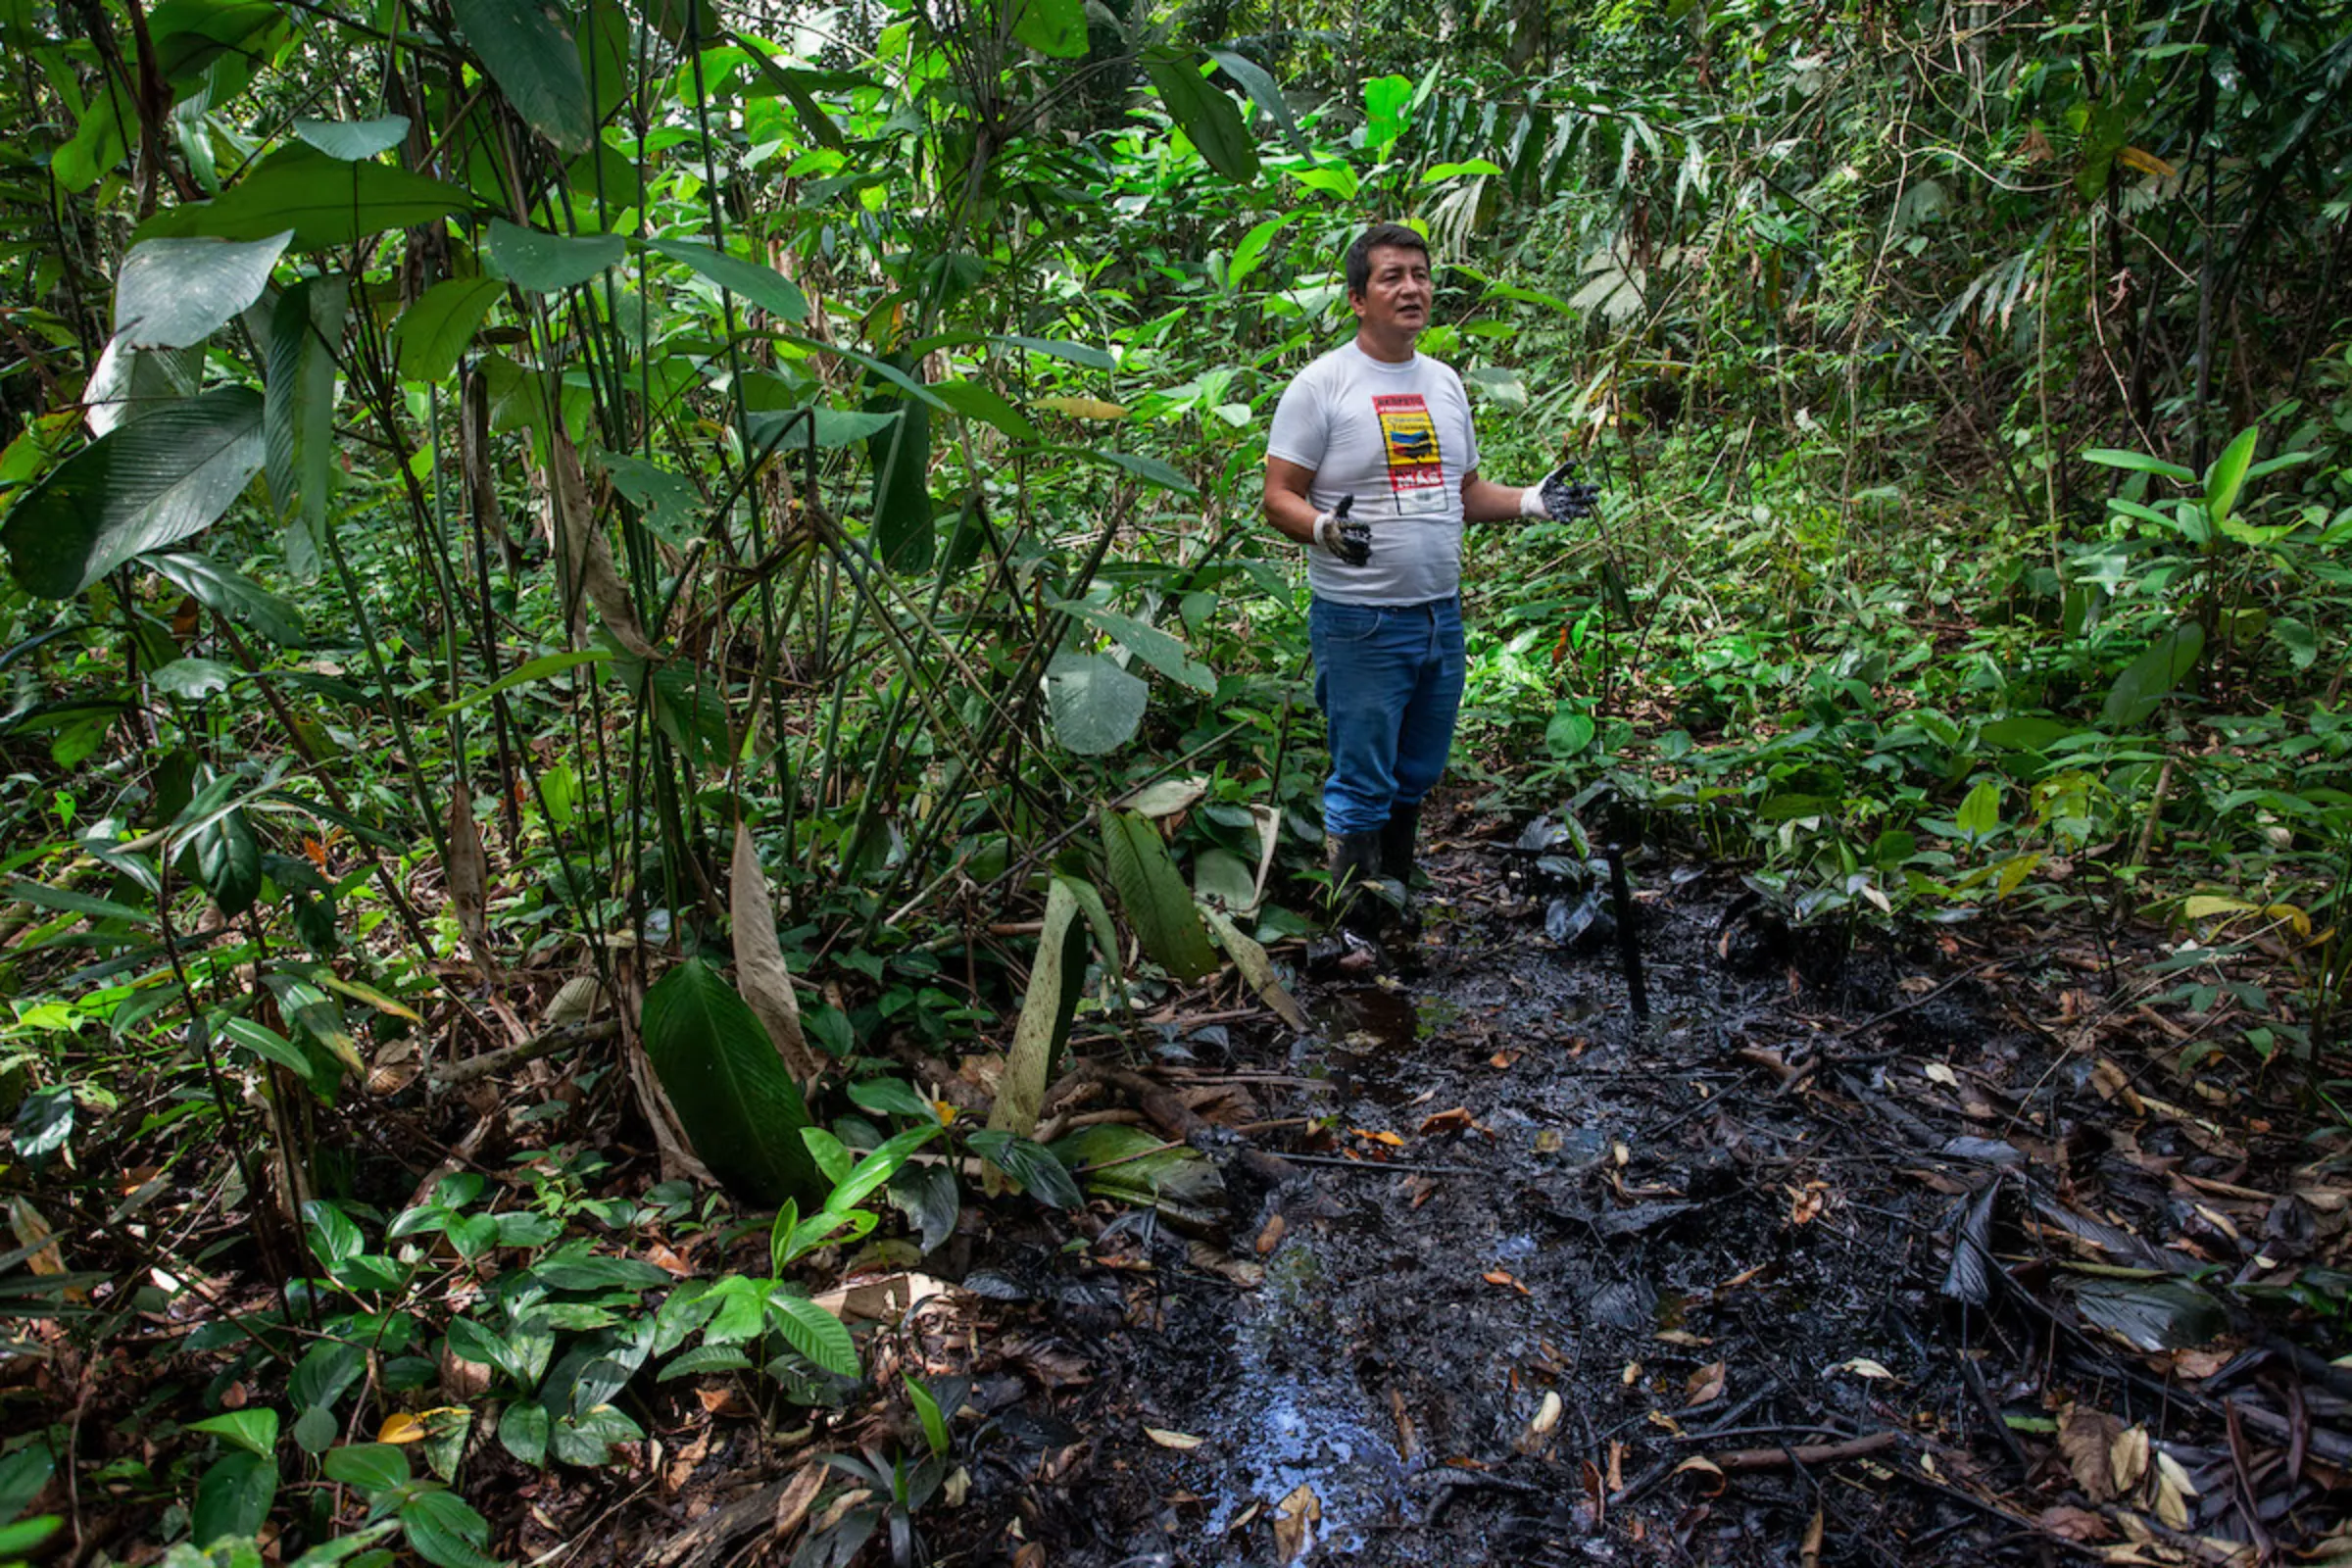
(1569, 733)
(897, 377)
(890, 1097)
(539, 263)
(193, 679)
(927, 1195)
(1093, 359)
(431, 334)
(834, 1161)
(233, 1497)
(147, 484)
(734, 1097)
(540, 668)
(316, 1429)
(1222, 879)
(799, 87)
(1148, 470)
(298, 413)
(879, 1165)
(444, 1530)
(1503, 386)
(703, 1360)
(269, 1044)
(1979, 815)
(835, 427)
(2026, 733)
(228, 862)
(327, 203)
(1053, 27)
(985, 404)
(523, 1431)
(174, 293)
(351, 141)
(2139, 462)
(529, 49)
(668, 500)
(903, 537)
(1203, 113)
(748, 281)
(253, 1431)
(815, 1332)
(1097, 707)
(231, 594)
(926, 1409)
(372, 1467)
(1264, 92)
(1160, 907)
(2153, 677)
(1057, 980)
(2301, 642)
(1032, 1169)
(2227, 475)
(1164, 653)
(66, 900)
(332, 1236)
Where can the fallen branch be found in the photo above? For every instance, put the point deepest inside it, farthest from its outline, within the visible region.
(1808, 1453)
(531, 1050)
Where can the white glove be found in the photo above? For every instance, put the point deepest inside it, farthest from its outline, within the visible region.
(1350, 541)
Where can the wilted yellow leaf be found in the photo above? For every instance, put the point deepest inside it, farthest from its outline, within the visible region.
(401, 1427)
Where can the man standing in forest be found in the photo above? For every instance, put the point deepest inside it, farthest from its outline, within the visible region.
(1372, 465)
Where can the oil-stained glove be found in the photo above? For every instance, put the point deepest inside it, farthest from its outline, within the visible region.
(1560, 497)
(1351, 542)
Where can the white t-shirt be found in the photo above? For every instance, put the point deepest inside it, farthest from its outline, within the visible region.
(1397, 438)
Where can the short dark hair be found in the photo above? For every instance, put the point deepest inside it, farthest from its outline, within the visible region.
(1395, 236)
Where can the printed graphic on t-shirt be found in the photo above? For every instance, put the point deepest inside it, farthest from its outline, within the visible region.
(1409, 436)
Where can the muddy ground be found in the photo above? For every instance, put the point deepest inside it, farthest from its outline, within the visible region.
(1545, 1283)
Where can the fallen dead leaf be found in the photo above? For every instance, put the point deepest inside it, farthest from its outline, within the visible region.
(1705, 1385)
(1456, 1120)
(1181, 1442)
(2128, 1458)
(400, 1427)
(1271, 1237)
(1700, 1466)
(1387, 1139)
(1862, 1366)
(2173, 1488)
(2084, 1438)
(1806, 1201)
(2075, 1524)
(792, 1509)
(1295, 1522)
(1937, 1072)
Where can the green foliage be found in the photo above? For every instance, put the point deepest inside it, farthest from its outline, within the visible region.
(738, 1105)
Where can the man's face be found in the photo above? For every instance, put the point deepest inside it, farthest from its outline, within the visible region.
(1395, 298)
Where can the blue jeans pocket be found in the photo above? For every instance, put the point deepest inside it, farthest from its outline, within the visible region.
(1346, 623)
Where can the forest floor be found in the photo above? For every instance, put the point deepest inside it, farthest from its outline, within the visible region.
(1536, 1282)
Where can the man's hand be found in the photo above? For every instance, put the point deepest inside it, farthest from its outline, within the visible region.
(1559, 497)
(1351, 542)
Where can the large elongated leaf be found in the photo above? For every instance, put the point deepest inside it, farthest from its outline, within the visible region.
(526, 46)
(738, 1105)
(1155, 648)
(2151, 678)
(325, 202)
(1204, 114)
(749, 281)
(2227, 474)
(1095, 705)
(431, 334)
(174, 293)
(1056, 982)
(903, 537)
(232, 594)
(298, 414)
(1265, 93)
(548, 264)
(146, 483)
(760, 958)
(353, 140)
(1056, 27)
(1158, 906)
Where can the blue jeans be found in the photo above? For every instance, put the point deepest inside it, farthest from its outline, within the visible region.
(1390, 681)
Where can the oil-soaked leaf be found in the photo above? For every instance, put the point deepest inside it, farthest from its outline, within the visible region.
(2152, 1314)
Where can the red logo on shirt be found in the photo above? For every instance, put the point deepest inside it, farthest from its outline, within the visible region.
(1410, 436)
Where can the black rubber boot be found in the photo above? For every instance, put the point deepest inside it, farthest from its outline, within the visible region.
(1398, 842)
(1359, 909)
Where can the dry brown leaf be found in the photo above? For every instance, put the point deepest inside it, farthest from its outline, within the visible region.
(1459, 1119)
(2173, 1488)
(2086, 1437)
(469, 874)
(1705, 1385)
(1295, 1522)
(1271, 1237)
(2128, 1459)
(2075, 1524)
(31, 1228)
(1206, 1254)
(1181, 1442)
(589, 575)
(1708, 1468)
(759, 968)
(1505, 1279)
(2198, 1365)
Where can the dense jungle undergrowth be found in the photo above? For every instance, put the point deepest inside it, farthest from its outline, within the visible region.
(636, 634)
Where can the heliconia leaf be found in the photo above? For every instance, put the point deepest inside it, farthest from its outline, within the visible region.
(1055, 981)
(174, 293)
(298, 416)
(738, 1105)
(433, 332)
(548, 264)
(1265, 93)
(748, 281)
(1096, 706)
(353, 140)
(231, 594)
(324, 201)
(1160, 907)
(528, 47)
(1204, 114)
(146, 483)
(2153, 677)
